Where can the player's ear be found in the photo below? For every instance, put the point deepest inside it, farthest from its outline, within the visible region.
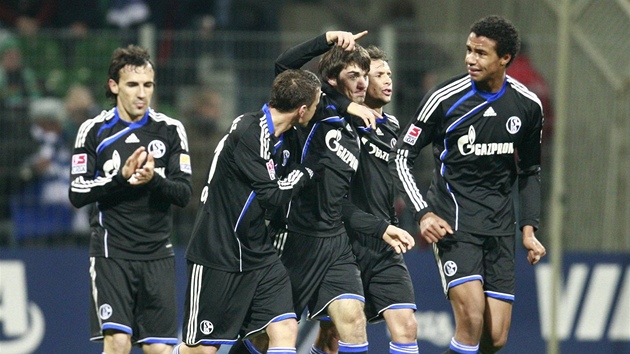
(113, 86)
(332, 82)
(302, 110)
(504, 60)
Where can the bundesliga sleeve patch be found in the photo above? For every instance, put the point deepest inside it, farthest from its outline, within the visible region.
(79, 164)
(412, 135)
(184, 163)
(271, 168)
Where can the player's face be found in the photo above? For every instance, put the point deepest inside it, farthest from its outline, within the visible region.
(352, 82)
(379, 91)
(135, 90)
(484, 65)
(308, 113)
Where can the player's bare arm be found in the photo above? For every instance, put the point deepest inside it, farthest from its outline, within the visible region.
(400, 240)
(433, 228)
(535, 250)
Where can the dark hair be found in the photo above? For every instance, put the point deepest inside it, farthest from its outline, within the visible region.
(131, 55)
(502, 31)
(336, 59)
(294, 88)
(376, 53)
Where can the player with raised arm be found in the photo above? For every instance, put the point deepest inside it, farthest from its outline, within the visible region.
(389, 293)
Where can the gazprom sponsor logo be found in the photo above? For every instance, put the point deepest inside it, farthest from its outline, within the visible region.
(332, 142)
(467, 146)
(375, 150)
(593, 302)
(22, 322)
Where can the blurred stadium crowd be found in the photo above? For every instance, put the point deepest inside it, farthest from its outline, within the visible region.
(213, 58)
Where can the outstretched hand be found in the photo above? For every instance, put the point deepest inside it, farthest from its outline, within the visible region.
(400, 240)
(343, 39)
(433, 228)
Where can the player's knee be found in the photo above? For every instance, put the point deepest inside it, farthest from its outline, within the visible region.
(404, 329)
(471, 319)
(285, 330)
(117, 342)
(407, 329)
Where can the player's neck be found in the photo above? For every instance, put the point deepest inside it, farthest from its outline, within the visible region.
(281, 121)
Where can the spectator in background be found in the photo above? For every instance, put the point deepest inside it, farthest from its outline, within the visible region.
(75, 18)
(18, 83)
(205, 128)
(523, 70)
(80, 106)
(18, 86)
(27, 16)
(41, 208)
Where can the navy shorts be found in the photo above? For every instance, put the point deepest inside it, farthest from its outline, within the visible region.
(386, 280)
(134, 297)
(221, 307)
(322, 269)
(464, 257)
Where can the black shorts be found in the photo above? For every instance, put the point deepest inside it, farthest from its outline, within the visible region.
(465, 257)
(322, 269)
(221, 307)
(386, 280)
(135, 297)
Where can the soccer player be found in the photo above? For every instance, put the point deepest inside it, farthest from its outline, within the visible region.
(389, 293)
(485, 128)
(237, 286)
(133, 163)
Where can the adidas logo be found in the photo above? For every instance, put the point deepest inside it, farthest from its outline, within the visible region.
(490, 113)
(379, 131)
(132, 139)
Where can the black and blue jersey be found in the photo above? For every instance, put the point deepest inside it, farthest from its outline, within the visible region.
(483, 143)
(130, 222)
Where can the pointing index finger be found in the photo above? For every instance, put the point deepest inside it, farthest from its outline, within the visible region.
(360, 35)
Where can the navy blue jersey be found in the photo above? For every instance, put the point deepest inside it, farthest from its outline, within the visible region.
(242, 184)
(130, 222)
(373, 188)
(318, 210)
(481, 142)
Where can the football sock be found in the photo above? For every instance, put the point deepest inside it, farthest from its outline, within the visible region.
(281, 350)
(457, 347)
(403, 348)
(346, 348)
